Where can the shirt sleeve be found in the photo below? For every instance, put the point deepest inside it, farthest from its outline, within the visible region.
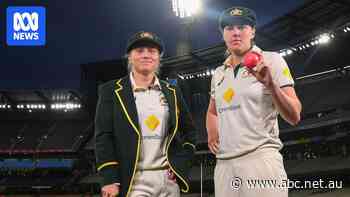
(212, 87)
(280, 71)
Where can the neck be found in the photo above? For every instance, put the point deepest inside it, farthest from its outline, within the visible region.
(236, 57)
(142, 79)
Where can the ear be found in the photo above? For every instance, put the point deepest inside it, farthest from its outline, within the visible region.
(129, 60)
(253, 33)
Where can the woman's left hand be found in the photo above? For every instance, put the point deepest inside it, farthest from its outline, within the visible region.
(171, 175)
(262, 72)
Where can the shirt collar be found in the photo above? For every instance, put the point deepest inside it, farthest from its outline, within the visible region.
(154, 86)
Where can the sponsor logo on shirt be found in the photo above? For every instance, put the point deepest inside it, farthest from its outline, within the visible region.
(229, 108)
(152, 122)
(228, 95)
(152, 137)
(286, 72)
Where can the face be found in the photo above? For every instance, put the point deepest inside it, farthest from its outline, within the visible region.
(144, 60)
(238, 38)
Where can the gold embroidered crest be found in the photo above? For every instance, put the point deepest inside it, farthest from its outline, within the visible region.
(236, 12)
(147, 35)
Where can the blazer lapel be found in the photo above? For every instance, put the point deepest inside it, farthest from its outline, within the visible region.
(126, 99)
(169, 94)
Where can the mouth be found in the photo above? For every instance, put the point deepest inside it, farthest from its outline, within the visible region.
(147, 62)
(236, 42)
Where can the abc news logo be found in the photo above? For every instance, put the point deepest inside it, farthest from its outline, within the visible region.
(29, 30)
(26, 26)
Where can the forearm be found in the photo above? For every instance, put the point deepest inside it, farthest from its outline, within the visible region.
(289, 107)
(211, 123)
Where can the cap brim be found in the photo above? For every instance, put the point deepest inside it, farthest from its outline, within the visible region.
(144, 42)
(236, 20)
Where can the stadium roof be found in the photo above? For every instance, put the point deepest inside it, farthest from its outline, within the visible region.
(313, 18)
(307, 21)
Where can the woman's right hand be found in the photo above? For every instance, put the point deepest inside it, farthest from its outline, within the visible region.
(213, 141)
(111, 190)
(212, 128)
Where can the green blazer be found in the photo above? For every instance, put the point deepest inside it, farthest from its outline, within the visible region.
(118, 135)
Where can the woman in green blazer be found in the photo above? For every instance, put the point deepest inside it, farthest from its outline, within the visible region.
(144, 133)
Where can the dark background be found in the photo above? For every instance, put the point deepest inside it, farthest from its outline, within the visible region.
(79, 32)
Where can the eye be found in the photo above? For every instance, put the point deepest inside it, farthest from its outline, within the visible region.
(229, 27)
(241, 27)
(153, 50)
(139, 50)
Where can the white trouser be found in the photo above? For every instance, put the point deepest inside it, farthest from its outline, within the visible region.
(256, 174)
(148, 183)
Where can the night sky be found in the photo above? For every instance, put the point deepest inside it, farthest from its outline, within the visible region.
(83, 31)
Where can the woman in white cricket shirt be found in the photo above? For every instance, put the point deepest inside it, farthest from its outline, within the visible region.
(242, 115)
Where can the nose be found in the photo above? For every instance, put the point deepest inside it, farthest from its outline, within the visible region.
(236, 31)
(146, 54)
